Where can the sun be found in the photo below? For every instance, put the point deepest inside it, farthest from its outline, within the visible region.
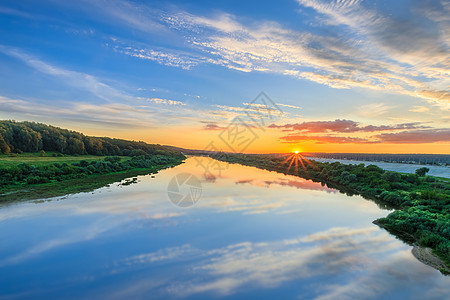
(297, 159)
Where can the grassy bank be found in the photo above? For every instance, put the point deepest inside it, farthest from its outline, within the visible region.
(30, 176)
(421, 203)
(55, 189)
(11, 160)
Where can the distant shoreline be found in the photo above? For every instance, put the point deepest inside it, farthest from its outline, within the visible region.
(435, 170)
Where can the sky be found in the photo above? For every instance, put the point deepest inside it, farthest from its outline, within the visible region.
(240, 76)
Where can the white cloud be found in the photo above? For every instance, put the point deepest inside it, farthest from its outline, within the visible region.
(373, 110)
(165, 57)
(375, 55)
(289, 106)
(361, 47)
(419, 108)
(163, 101)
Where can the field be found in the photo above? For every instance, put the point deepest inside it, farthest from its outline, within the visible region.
(37, 160)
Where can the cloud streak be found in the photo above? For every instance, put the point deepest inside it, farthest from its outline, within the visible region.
(375, 53)
(416, 136)
(321, 132)
(325, 139)
(342, 126)
(79, 80)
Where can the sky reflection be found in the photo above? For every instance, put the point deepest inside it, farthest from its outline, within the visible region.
(253, 234)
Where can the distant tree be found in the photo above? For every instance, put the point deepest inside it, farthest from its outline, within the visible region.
(422, 171)
(61, 143)
(4, 148)
(75, 146)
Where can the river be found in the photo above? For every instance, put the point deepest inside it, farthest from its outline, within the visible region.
(253, 234)
(439, 171)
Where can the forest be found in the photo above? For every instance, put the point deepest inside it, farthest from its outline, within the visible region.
(421, 203)
(18, 137)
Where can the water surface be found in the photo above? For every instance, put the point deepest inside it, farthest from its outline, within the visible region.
(253, 234)
(440, 171)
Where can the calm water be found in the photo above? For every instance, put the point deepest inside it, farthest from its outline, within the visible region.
(440, 171)
(253, 234)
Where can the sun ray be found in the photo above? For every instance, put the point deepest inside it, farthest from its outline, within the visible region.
(296, 164)
(292, 161)
(297, 159)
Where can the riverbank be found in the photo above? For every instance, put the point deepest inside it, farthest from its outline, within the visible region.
(45, 178)
(426, 256)
(56, 189)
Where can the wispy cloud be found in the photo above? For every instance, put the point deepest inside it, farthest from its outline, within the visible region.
(116, 108)
(212, 126)
(338, 131)
(343, 126)
(270, 264)
(163, 101)
(419, 108)
(404, 137)
(416, 136)
(127, 13)
(289, 106)
(325, 139)
(165, 56)
(389, 39)
(76, 79)
(373, 110)
(375, 54)
(225, 271)
(111, 114)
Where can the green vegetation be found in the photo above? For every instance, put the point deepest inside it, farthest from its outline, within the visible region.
(422, 202)
(422, 171)
(63, 161)
(18, 137)
(40, 179)
(37, 160)
(61, 188)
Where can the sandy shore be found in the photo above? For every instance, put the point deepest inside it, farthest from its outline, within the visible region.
(426, 256)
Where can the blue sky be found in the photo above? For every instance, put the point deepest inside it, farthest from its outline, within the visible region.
(160, 70)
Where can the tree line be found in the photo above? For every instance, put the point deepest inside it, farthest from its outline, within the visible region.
(18, 137)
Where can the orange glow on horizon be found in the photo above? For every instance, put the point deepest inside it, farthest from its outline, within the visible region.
(265, 144)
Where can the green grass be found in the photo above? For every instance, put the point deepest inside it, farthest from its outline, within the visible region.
(24, 191)
(72, 186)
(36, 160)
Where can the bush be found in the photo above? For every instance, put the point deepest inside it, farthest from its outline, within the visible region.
(83, 163)
(422, 171)
(112, 159)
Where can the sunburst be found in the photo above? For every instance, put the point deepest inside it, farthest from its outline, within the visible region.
(296, 159)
